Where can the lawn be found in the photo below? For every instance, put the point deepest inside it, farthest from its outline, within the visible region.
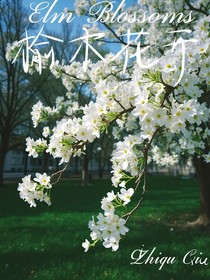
(44, 243)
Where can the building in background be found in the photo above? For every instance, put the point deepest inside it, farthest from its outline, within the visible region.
(17, 161)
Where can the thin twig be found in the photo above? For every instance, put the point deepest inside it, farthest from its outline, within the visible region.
(142, 173)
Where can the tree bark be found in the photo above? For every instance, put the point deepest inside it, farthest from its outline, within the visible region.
(4, 148)
(25, 162)
(85, 171)
(101, 173)
(203, 173)
(46, 158)
(100, 169)
(2, 160)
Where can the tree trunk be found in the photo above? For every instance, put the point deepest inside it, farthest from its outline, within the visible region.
(2, 160)
(46, 158)
(203, 173)
(76, 166)
(100, 169)
(85, 171)
(25, 162)
(101, 173)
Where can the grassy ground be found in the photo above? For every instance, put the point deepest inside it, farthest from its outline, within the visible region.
(44, 243)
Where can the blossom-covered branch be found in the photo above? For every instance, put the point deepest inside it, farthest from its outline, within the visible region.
(141, 99)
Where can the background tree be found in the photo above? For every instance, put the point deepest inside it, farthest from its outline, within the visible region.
(18, 90)
(102, 152)
(173, 9)
(159, 98)
(16, 94)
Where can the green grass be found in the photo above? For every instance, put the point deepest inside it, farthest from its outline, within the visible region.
(44, 243)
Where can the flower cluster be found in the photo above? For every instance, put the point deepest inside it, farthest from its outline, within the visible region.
(109, 227)
(35, 147)
(11, 50)
(37, 189)
(140, 100)
(125, 158)
(163, 158)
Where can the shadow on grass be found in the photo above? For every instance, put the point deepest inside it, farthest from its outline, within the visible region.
(71, 196)
(57, 254)
(67, 196)
(45, 243)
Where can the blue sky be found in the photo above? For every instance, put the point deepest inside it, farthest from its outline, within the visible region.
(59, 8)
